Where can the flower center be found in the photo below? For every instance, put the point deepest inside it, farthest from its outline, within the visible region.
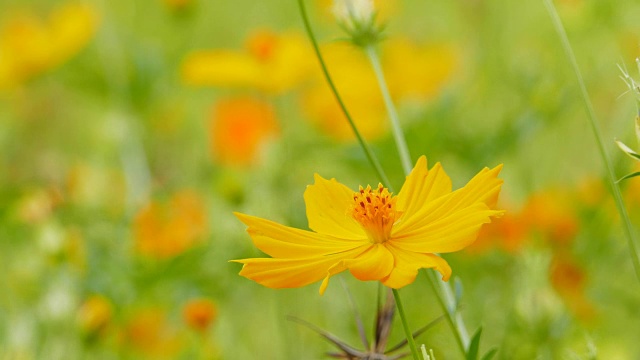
(375, 211)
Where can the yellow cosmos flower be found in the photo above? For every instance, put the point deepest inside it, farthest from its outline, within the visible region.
(373, 234)
(30, 46)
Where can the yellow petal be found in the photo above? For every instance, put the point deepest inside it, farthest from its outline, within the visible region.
(291, 273)
(328, 206)
(286, 242)
(407, 265)
(374, 264)
(221, 68)
(422, 186)
(483, 188)
(452, 232)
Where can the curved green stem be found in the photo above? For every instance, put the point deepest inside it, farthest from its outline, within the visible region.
(401, 143)
(458, 326)
(365, 147)
(628, 228)
(405, 325)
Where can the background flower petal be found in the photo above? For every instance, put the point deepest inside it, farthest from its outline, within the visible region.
(329, 204)
(222, 68)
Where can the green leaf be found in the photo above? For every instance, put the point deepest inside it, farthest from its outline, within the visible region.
(490, 354)
(474, 346)
(629, 176)
(627, 150)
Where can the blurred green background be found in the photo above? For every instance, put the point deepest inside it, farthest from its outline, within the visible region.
(131, 130)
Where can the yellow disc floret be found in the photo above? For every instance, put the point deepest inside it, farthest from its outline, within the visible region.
(375, 211)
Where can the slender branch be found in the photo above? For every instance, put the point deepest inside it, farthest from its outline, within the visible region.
(365, 146)
(405, 325)
(593, 121)
(401, 143)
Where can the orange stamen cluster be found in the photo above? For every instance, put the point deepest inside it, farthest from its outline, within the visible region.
(375, 211)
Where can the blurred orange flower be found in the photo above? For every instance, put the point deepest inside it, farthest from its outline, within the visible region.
(164, 230)
(508, 233)
(30, 46)
(569, 280)
(199, 314)
(95, 315)
(373, 234)
(178, 5)
(239, 128)
(149, 332)
(553, 215)
(271, 62)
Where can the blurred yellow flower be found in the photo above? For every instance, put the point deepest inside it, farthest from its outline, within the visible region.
(376, 235)
(417, 71)
(36, 206)
(358, 88)
(95, 314)
(30, 46)
(413, 73)
(271, 62)
(238, 128)
(164, 230)
(199, 314)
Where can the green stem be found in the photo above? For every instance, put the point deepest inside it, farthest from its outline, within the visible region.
(445, 295)
(459, 331)
(403, 149)
(365, 147)
(405, 325)
(448, 307)
(628, 228)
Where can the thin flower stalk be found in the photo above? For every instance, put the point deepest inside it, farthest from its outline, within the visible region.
(405, 325)
(373, 160)
(447, 301)
(445, 295)
(401, 143)
(593, 121)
